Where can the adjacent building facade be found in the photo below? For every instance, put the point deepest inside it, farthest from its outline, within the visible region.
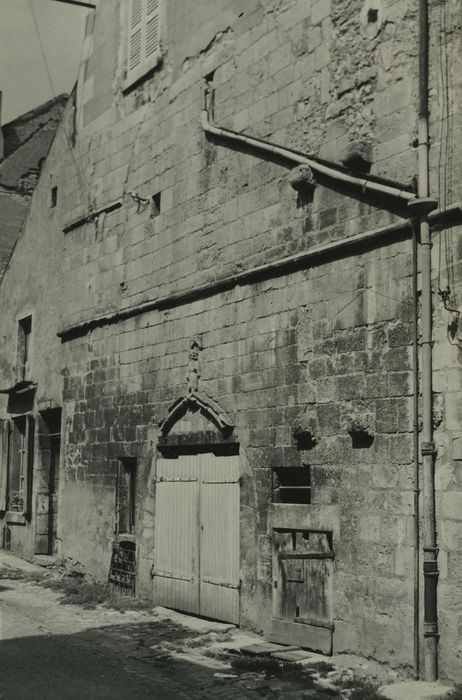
(24, 145)
(214, 382)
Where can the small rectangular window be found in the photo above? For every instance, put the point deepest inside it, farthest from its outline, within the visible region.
(125, 496)
(54, 196)
(292, 484)
(155, 205)
(24, 335)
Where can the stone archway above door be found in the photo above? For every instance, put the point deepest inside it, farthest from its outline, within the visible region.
(194, 414)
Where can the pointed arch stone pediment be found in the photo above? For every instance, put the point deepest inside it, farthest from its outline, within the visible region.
(197, 401)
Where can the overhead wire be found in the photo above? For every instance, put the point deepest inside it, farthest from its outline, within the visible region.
(80, 175)
(447, 293)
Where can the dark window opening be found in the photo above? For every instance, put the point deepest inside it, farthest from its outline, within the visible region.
(292, 484)
(49, 442)
(125, 496)
(372, 15)
(24, 333)
(54, 196)
(361, 440)
(155, 205)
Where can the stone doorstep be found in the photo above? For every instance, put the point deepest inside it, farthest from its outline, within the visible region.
(44, 560)
(264, 649)
(294, 655)
(415, 690)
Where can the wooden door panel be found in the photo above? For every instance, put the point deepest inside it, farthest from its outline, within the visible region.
(176, 556)
(219, 537)
(196, 558)
(302, 595)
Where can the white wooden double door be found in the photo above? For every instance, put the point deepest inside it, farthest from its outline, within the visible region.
(196, 557)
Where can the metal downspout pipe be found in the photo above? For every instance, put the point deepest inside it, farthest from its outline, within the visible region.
(430, 565)
(295, 157)
(415, 408)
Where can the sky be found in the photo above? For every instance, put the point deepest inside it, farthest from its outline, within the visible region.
(23, 76)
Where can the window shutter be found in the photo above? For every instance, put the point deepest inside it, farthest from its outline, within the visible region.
(30, 433)
(151, 46)
(5, 429)
(135, 37)
(143, 38)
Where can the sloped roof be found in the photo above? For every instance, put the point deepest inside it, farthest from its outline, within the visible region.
(13, 208)
(27, 156)
(22, 128)
(27, 140)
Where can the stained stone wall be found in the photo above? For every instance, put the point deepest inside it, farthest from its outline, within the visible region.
(327, 343)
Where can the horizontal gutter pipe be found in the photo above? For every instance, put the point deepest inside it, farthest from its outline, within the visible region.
(384, 234)
(389, 234)
(364, 184)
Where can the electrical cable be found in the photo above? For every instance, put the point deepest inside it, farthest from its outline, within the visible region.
(80, 176)
(445, 181)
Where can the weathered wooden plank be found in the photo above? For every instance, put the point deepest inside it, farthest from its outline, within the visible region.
(176, 560)
(305, 636)
(219, 547)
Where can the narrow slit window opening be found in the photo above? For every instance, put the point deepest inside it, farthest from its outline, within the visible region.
(24, 334)
(155, 204)
(125, 496)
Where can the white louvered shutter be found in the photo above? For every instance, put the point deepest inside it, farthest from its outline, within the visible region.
(135, 36)
(143, 38)
(151, 46)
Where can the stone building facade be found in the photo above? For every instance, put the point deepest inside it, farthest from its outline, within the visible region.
(24, 144)
(221, 368)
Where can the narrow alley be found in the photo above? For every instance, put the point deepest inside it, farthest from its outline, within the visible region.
(55, 652)
(51, 651)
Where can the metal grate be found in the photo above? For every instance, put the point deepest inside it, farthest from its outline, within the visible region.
(122, 572)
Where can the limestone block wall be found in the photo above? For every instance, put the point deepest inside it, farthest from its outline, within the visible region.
(271, 351)
(332, 341)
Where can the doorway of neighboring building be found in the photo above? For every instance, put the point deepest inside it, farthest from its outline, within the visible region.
(48, 481)
(196, 557)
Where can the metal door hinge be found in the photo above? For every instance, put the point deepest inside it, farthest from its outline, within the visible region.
(177, 577)
(223, 585)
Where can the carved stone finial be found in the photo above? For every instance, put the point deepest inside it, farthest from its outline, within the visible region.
(196, 342)
(194, 365)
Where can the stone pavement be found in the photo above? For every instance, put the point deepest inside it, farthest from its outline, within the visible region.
(73, 652)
